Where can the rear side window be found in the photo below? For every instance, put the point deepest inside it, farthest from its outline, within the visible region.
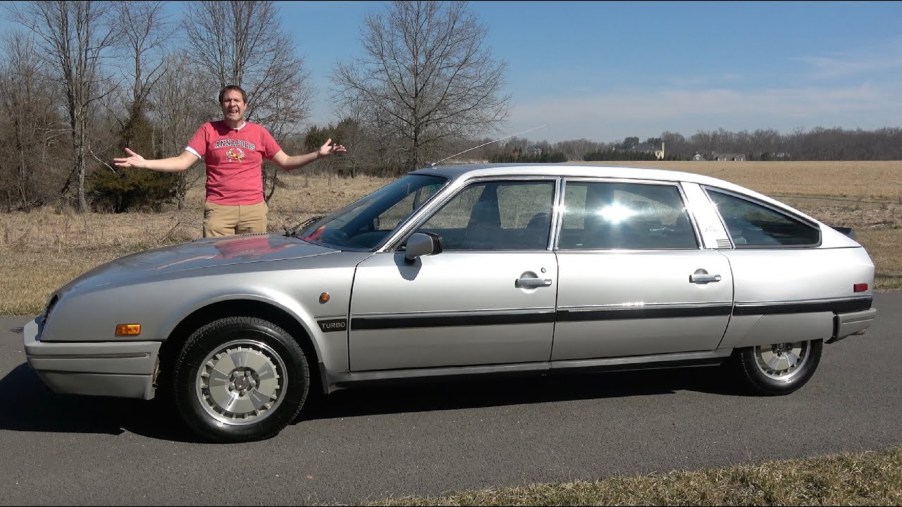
(753, 224)
(615, 215)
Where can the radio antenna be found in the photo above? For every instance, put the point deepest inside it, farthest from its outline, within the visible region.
(485, 144)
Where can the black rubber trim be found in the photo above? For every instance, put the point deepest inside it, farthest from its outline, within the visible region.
(359, 323)
(643, 313)
(835, 306)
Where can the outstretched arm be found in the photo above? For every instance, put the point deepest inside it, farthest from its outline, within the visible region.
(167, 165)
(289, 162)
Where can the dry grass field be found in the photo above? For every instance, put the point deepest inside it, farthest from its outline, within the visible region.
(44, 249)
(868, 478)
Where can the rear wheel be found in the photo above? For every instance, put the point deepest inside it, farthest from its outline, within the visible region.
(778, 369)
(239, 379)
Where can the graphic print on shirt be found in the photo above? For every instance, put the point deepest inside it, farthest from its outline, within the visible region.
(234, 153)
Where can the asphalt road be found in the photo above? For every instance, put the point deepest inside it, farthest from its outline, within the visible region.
(373, 443)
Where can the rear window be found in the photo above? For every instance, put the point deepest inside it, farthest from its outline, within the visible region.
(754, 224)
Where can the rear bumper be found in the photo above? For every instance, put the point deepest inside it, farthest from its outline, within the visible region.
(120, 369)
(847, 324)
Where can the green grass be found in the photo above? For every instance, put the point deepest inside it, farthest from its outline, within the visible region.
(866, 478)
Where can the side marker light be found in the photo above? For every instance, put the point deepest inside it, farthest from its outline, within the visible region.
(128, 329)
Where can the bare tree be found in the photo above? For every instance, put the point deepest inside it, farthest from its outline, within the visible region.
(75, 36)
(241, 43)
(31, 126)
(349, 133)
(177, 112)
(425, 77)
(145, 33)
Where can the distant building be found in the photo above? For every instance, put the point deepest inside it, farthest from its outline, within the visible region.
(730, 157)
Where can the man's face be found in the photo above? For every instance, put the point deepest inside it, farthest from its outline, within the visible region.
(233, 105)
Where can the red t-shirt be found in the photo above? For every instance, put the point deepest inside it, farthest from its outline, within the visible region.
(234, 159)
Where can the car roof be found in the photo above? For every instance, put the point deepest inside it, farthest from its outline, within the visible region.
(584, 170)
(573, 170)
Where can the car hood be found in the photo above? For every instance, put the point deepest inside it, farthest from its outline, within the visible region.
(222, 251)
(201, 254)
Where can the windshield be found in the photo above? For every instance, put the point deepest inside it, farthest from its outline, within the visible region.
(364, 223)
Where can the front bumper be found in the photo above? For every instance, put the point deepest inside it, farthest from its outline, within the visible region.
(120, 369)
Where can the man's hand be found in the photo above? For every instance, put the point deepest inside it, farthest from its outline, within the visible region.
(167, 165)
(132, 160)
(329, 148)
(289, 162)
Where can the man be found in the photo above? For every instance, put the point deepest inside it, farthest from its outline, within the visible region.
(233, 150)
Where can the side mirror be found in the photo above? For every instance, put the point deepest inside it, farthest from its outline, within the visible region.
(422, 243)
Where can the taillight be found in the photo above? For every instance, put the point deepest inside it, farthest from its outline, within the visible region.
(860, 287)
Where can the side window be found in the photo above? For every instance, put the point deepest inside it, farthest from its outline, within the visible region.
(497, 215)
(624, 215)
(390, 218)
(751, 224)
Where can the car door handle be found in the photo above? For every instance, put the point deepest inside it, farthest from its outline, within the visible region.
(532, 283)
(702, 276)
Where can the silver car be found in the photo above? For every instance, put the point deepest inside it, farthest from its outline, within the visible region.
(463, 270)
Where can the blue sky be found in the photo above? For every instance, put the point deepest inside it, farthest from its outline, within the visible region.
(608, 70)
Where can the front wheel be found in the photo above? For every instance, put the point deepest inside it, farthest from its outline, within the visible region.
(240, 379)
(778, 369)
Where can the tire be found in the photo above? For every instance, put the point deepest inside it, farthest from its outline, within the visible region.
(778, 369)
(260, 380)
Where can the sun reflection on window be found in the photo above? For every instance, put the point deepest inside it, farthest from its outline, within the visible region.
(616, 213)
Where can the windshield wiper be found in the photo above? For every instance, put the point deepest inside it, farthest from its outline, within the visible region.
(303, 225)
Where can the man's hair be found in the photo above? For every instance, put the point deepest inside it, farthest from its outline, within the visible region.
(233, 87)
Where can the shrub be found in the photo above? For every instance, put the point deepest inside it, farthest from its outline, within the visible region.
(131, 190)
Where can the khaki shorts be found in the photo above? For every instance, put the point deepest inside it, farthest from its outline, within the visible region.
(224, 220)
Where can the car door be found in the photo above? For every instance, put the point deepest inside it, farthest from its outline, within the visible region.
(632, 278)
(488, 298)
